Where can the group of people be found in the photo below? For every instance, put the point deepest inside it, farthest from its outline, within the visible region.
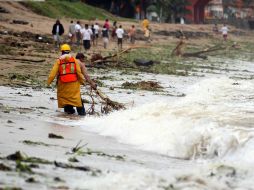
(89, 35)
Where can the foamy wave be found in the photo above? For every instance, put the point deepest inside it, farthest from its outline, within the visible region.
(208, 122)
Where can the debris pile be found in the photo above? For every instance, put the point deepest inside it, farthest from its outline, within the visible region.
(143, 85)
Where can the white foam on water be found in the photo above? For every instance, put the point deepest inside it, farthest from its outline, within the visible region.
(214, 119)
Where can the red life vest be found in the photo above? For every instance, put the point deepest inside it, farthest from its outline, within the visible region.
(67, 70)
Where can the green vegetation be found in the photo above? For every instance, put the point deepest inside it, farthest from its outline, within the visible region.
(88, 151)
(163, 61)
(28, 142)
(61, 9)
(21, 167)
(4, 49)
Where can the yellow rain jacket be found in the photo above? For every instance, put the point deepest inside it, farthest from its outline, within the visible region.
(68, 93)
(145, 24)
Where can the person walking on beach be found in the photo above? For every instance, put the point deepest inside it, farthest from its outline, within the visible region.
(72, 32)
(106, 24)
(224, 31)
(215, 29)
(57, 31)
(145, 23)
(119, 34)
(81, 60)
(93, 34)
(69, 78)
(147, 35)
(78, 33)
(105, 37)
(87, 34)
(97, 30)
(113, 34)
(131, 34)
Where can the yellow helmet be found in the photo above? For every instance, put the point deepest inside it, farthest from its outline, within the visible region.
(65, 47)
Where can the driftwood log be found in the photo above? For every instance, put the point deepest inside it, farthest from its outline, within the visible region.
(200, 54)
(179, 50)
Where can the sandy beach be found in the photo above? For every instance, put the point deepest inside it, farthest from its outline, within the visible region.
(194, 132)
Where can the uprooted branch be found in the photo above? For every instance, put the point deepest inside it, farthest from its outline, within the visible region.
(99, 59)
(108, 105)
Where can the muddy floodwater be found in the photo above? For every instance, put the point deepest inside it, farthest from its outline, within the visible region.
(197, 132)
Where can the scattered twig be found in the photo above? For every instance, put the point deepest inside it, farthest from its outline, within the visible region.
(77, 147)
(69, 166)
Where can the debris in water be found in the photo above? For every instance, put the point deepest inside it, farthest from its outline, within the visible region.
(69, 166)
(30, 180)
(4, 167)
(224, 170)
(54, 136)
(58, 179)
(16, 156)
(78, 147)
(21, 167)
(143, 85)
(28, 142)
(73, 159)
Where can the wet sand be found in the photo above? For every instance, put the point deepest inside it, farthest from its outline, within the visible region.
(26, 129)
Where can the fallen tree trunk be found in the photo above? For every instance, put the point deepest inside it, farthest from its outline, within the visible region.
(198, 54)
(103, 59)
(178, 51)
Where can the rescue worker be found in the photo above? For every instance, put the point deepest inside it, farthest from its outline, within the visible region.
(81, 60)
(69, 78)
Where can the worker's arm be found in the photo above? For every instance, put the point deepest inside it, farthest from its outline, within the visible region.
(79, 74)
(88, 79)
(53, 72)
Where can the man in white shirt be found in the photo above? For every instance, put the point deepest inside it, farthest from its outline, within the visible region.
(224, 31)
(119, 34)
(86, 33)
(96, 31)
(72, 32)
(77, 31)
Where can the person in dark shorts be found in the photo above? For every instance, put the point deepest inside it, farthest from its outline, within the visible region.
(119, 34)
(87, 34)
(105, 37)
